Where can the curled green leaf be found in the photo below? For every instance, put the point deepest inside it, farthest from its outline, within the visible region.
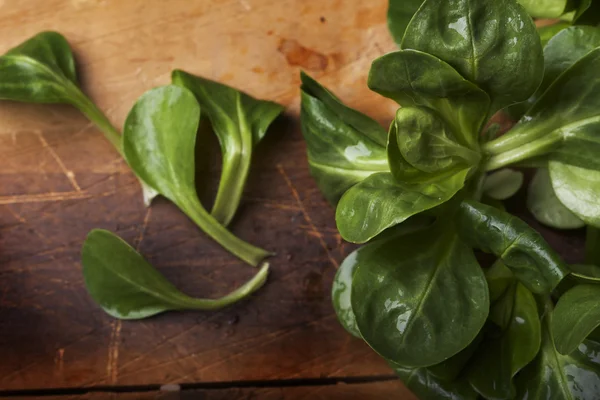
(519, 246)
(413, 78)
(421, 148)
(127, 287)
(158, 141)
(399, 15)
(240, 122)
(344, 146)
(401, 291)
(341, 292)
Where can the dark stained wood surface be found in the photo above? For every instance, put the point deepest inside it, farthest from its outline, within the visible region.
(59, 179)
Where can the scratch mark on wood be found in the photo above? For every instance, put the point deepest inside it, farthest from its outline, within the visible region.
(112, 366)
(44, 197)
(139, 239)
(309, 221)
(68, 173)
(23, 221)
(59, 361)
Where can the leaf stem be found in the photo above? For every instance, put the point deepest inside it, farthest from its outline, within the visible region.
(243, 250)
(522, 152)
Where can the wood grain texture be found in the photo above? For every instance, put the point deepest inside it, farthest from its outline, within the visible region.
(59, 178)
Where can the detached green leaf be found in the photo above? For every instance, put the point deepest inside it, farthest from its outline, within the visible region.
(240, 122)
(576, 315)
(344, 146)
(419, 300)
(127, 287)
(413, 78)
(341, 292)
(555, 376)
(492, 43)
(399, 15)
(577, 188)
(422, 149)
(519, 246)
(427, 386)
(379, 202)
(158, 141)
(503, 184)
(500, 358)
(546, 207)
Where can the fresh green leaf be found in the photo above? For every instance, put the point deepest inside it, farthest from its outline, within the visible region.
(562, 124)
(379, 202)
(547, 32)
(344, 147)
(159, 140)
(419, 299)
(500, 357)
(127, 287)
(42, 70)
(453, 368)
(341, 292)
(499, 277)
(576, 315)
(413, 78)
(546, 207)
(422, 149)
(548, 9)
(577, 188)
(503, 184)
(399, 15)
(555, 376)
(519, 246)
(240, 122)
(492, 43)
(427, 386)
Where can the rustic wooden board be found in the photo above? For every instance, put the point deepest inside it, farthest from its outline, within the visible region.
(59, 178)
(373, 391)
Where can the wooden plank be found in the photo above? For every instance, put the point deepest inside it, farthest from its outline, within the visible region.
(59, 178)
(364, 391)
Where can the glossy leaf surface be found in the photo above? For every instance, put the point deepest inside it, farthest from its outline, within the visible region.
(240, 122)
(344, 147)
(577, 188)
(425, 385)
(399, 15)
(401, 291)
(502, 355)
(379, 202)
(421, 148)
(576, 315)
(159, 140)
(414, 78)
(492, 43)
(341, 292)
(555, 376)
(546, 207)
(503, 184)
(562, 124)
(127, 287)
(519, 246)
(545, 8)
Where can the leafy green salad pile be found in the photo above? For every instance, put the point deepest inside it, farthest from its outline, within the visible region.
(158, 143)
(424, 199)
